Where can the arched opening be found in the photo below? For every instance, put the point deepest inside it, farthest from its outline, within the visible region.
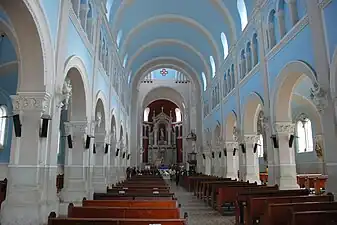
(125, 60)
(271, 32)
(99, 154)
(146, 114)
(241, 6)
(162, 133)
(224, 45)
(204, 81)
(296, 79)
(119, 38)
(254, 135)
(211, 60)
(232, 147)
(3, 125)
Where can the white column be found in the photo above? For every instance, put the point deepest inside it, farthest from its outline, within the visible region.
(75, 173)
(230, 160)
(98, 179)
(26, 201)
(286, 155)
(155, 132)
(293, 11)
(168, 131)
(281, 23)
(252, 159)
(208, 162)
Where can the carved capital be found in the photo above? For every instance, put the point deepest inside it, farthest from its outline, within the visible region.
(231, 145)
(251, 138)
(31, 101)
(284, 128)
(76, 127)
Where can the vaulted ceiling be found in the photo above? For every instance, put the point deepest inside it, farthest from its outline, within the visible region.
(189, 30)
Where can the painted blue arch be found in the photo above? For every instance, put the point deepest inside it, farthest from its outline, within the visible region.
(164, 31)
(168, 50)
(206, 14)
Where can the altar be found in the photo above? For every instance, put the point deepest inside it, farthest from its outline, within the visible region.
(162, 139)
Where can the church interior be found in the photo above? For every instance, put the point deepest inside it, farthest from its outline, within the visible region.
(165, 112)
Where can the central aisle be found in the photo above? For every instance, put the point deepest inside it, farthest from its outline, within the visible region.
(198, 212)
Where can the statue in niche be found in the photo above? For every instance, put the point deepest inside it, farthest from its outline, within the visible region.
(162, 135)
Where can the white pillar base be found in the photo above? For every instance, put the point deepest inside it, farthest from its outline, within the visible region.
(288, 179)
(29, 214)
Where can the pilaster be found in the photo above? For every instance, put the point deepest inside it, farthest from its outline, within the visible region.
(99, 181)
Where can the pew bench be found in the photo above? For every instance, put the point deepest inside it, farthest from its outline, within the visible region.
(244, 197)
(141, 196)
(122, 212)
(314, 218)
(279, 214)
(255, 207)
(132, 203)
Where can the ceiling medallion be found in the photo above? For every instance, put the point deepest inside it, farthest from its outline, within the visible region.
(163, 72)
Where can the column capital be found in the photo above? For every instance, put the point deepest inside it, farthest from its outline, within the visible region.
(230, 145)
(251, 138)
(76, 127)
(31, 101)
(284, 127)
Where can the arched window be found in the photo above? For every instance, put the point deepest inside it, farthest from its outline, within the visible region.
(304, 135)
(125, 60)
(3, 120)
(260, 146)
(204, 81)
(119, 37)
(129, 77)
(224, 44)
(178, 115)
(243, 13)
(146, 114)
(211, 60)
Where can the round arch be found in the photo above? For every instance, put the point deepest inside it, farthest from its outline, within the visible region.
(315, 116)
(101, 97)
(287, 80)
(77, 63)
(166, 93)
(31, 38)
(173, 18)
(166, 42)
(230, 123)
(252, 106)
(168, 62)
(217, 131)
(121, 132)
(113, 127)
(100, 112)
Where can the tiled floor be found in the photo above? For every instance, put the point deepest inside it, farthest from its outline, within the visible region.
(198, 212)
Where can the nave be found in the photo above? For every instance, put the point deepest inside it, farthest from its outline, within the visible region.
(147, 198)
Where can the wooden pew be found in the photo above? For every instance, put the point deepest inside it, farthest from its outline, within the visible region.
(314, 218)
(256, 206)
(228, 194)
(52, 220)
(3, 190)
(133, 196)
(243, 199)
(133, 203)
(122, 212)
(279, 214)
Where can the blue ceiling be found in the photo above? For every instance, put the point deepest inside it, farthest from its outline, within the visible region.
(198, 23)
